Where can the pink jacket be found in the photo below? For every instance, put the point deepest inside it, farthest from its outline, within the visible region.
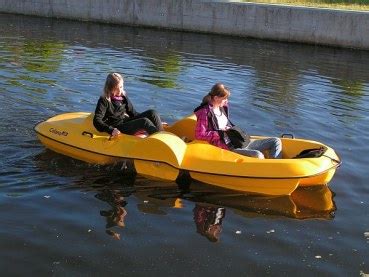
(205, 130)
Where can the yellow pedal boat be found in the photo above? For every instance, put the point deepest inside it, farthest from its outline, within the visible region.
(165, 154)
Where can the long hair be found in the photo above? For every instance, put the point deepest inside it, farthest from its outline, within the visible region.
(218, 90)
(112, 81)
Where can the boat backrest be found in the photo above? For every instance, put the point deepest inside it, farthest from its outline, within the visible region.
(184, 128)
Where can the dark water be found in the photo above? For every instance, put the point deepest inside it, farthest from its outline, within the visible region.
(63, 217)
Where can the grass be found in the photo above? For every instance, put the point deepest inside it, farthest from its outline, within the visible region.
(356, 5)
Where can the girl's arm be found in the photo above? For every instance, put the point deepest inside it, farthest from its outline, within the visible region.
(100, 111)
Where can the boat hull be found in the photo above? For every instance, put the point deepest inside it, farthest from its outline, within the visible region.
(78, 153)
(251, 185)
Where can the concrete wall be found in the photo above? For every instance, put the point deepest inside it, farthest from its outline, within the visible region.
(307, 25)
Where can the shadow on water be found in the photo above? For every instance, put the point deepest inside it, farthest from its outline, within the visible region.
(111, 186)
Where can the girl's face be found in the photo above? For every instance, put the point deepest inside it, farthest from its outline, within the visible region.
(118, 90)
(220, 101)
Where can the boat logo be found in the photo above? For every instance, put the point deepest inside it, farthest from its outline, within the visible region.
(57, 132)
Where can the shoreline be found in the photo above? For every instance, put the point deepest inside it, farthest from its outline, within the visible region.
(309, 25)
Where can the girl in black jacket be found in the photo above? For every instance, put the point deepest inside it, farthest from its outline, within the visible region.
(115, 114)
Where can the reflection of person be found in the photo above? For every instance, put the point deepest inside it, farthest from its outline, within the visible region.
(208, 221)
(115, 113)
(116, 215)
(213, 121)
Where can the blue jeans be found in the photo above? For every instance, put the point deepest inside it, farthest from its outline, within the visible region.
(256, 147)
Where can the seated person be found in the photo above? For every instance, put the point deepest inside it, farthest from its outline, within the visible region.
(115, 113)
(213, 122)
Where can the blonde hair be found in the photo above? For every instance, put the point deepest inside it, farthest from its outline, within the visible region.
(112, 81)
(218, 90)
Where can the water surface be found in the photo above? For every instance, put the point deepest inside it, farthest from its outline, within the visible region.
(60, 216)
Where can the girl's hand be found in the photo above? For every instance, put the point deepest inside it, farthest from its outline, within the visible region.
(115, 132)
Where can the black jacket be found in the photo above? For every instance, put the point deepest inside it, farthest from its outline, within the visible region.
(109, 114)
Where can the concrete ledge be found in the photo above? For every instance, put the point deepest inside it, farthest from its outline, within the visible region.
(283, 23)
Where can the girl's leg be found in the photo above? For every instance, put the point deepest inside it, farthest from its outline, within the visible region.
(154, 117)
(132, 126)
(249, 153)
(273, 145)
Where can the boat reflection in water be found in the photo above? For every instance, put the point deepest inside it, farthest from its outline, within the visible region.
(303, 203)
(210, 204)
